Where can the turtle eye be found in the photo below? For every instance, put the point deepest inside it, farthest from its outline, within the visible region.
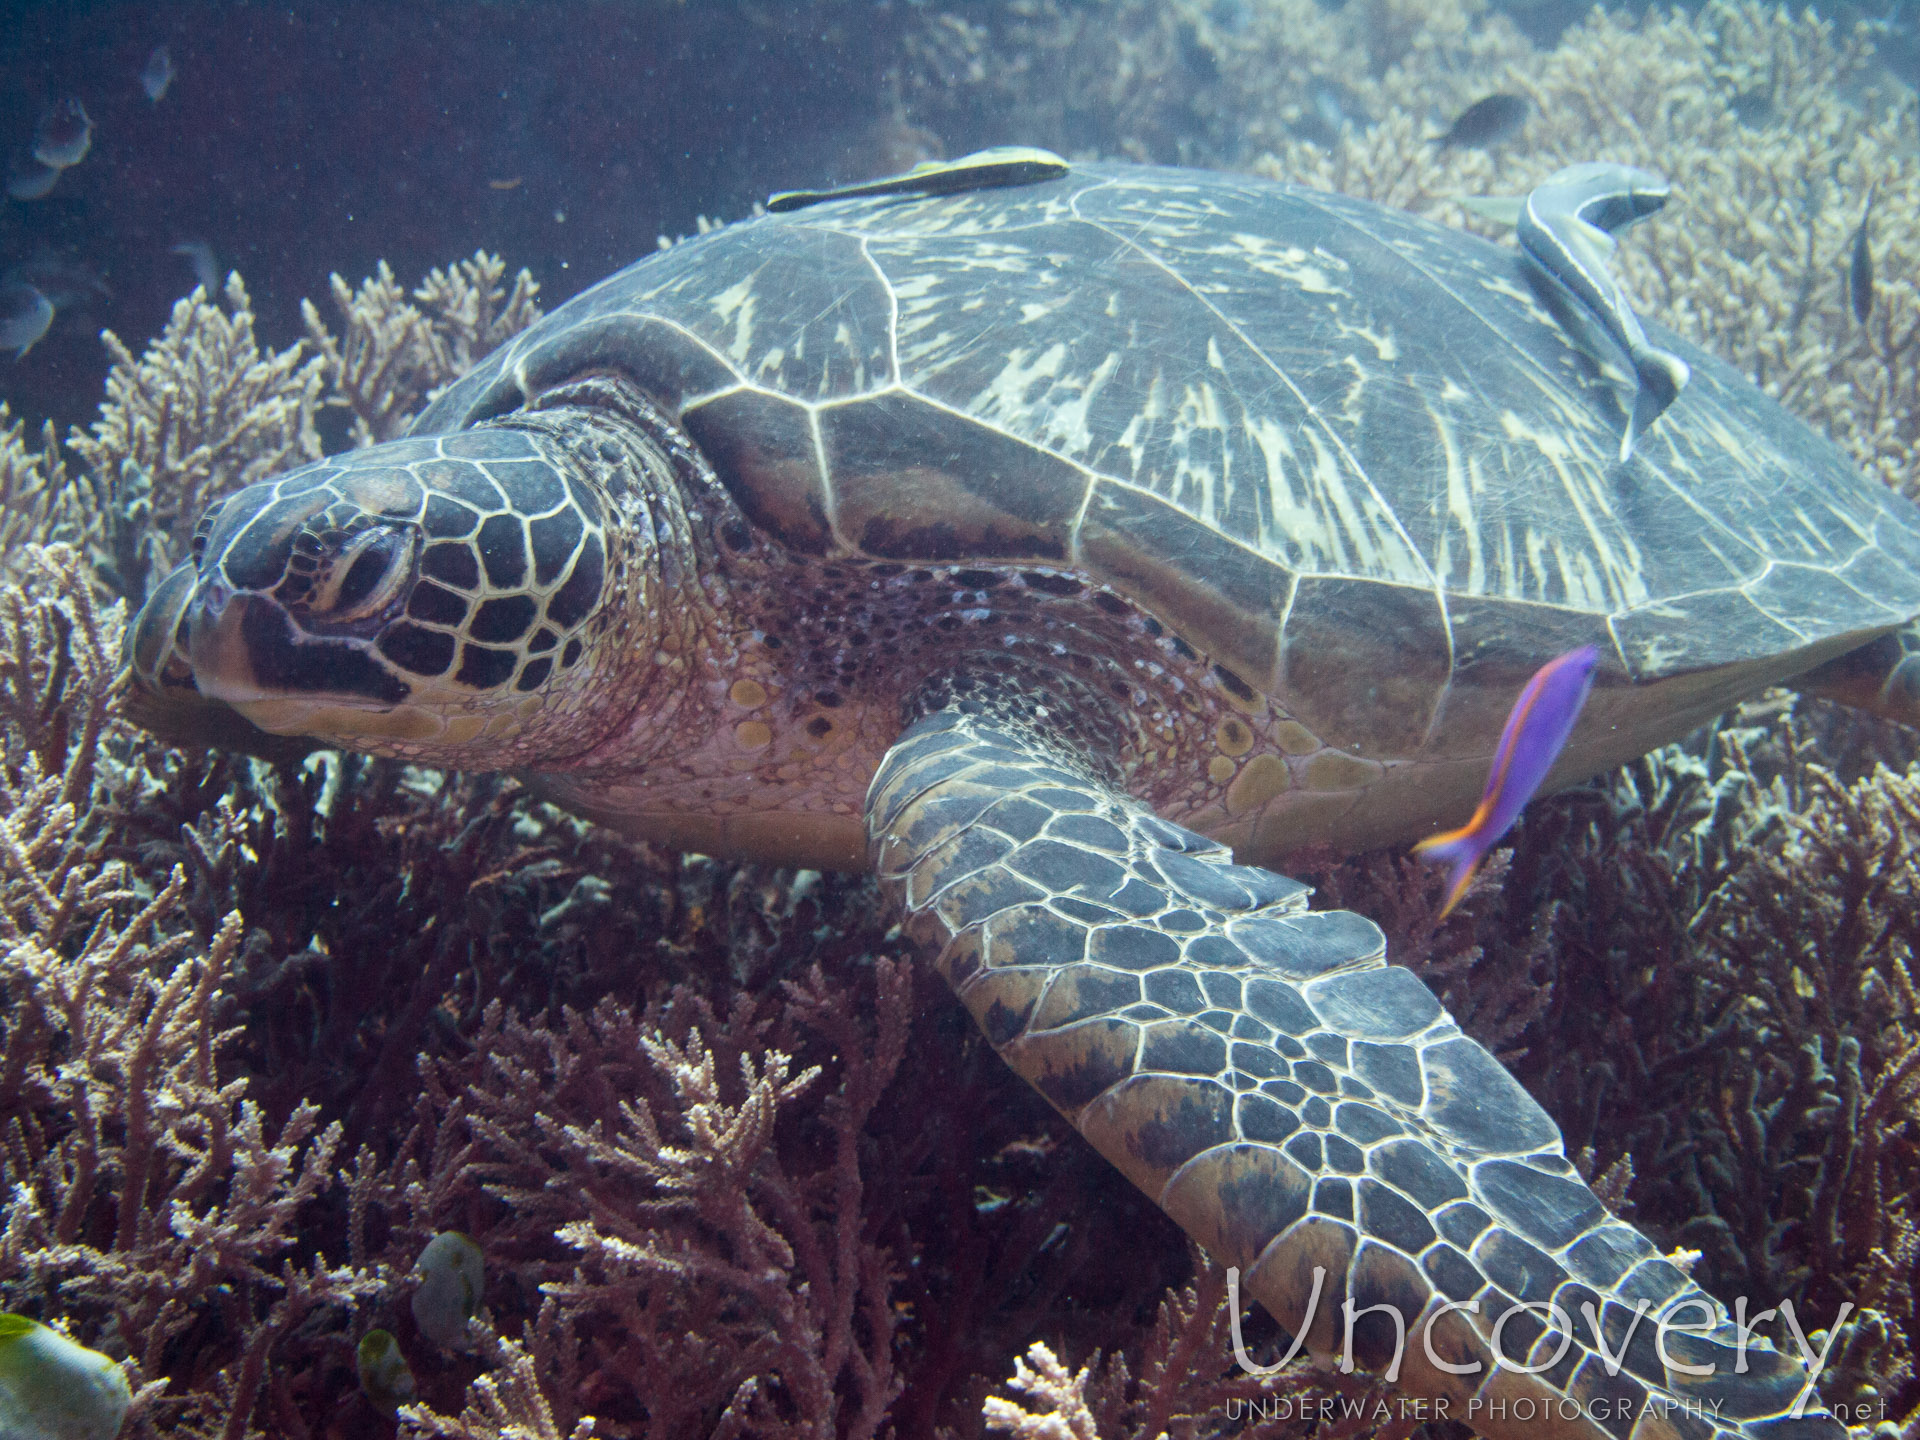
(365, 577)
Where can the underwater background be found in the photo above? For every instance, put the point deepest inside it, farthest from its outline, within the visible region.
(730, 1162)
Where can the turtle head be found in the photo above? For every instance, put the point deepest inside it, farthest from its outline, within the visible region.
(438, 599)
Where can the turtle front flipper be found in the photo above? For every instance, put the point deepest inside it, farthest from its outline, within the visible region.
(1297, 1104)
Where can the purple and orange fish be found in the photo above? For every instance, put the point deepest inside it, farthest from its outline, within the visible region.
(1536, 731)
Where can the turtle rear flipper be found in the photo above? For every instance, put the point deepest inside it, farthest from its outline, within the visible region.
(1297, 1104)
(1882, 677)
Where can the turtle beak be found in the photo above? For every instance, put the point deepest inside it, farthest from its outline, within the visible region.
(246, 650)
(166, 696)
(189, 641)
(155, 640)
(222, 629)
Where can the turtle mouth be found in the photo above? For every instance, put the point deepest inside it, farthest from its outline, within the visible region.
(247, 651)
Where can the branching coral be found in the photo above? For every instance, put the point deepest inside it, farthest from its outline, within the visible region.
(205, 411)
(1188, 1385)
(697, 1249)
(394, 355)
(146, 1195)
(1790, 953)
(37, 502)
(507, 1403)
(201, 413)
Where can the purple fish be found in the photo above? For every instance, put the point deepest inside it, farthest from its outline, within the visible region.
(1536, 731)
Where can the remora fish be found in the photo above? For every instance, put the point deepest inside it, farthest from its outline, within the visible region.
(1566, 228)
(982, 170)
(1536, 731)
(1487, 121)
(1860, 264)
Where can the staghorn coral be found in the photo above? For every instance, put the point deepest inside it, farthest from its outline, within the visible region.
(146, 1196)
(36, 498)
(1797, 1054)
(205, 411)
(201, 413)
(508, 1403)
(393, 355)
(1187, 1386)
(668, 1220)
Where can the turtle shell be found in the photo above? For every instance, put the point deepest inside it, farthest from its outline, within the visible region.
(1346, 453)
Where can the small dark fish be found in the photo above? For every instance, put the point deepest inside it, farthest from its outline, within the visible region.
(1860, 265)
(31, 180)
(206, 272)
(25, 315)
(63, 135)
(68, 283)
(1487, 122)
(1536, 732)
(158, 74)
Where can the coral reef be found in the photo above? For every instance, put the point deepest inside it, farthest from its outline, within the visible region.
(36, 499)
(395, 355)
(201, 413)
(267, 1026)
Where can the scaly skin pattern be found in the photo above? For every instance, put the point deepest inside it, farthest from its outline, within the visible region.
(1296, 1103)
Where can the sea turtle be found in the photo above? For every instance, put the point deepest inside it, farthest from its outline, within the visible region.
(1047, 546)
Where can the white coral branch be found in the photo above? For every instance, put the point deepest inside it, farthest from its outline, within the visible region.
(1060, 1395)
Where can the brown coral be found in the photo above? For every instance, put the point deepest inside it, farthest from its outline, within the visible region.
(394, 355)
(201, 413)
